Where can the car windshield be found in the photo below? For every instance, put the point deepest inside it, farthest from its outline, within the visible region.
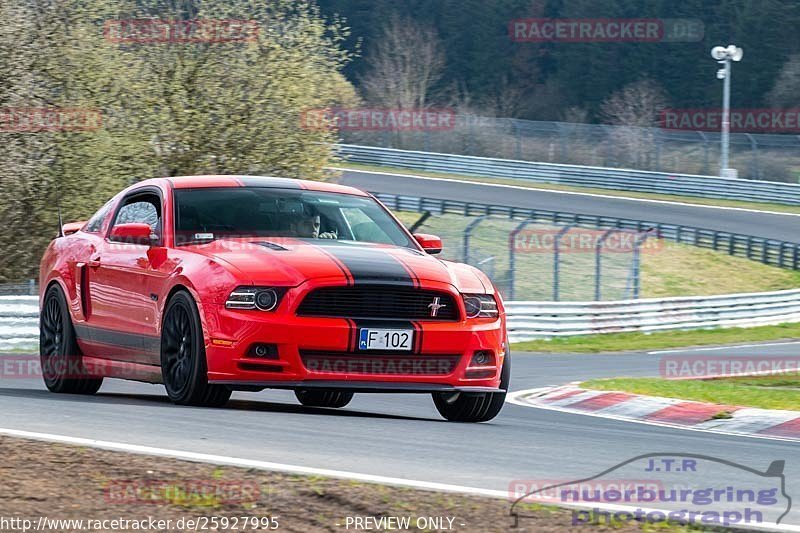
(210, 213)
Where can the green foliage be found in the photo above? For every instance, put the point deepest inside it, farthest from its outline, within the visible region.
(168, 108)
(552, 77)
(776, 391)
(622, 342)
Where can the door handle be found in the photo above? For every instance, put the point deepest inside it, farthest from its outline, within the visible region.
(94, 262)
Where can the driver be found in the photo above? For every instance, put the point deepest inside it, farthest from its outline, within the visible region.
(309, 225)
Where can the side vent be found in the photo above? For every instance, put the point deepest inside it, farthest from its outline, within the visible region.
(84, 277)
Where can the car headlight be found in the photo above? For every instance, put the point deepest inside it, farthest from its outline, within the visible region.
(261, 298)
(480, 305)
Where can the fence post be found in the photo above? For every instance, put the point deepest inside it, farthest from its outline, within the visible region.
(755, 171)
(598, 252)
(705, 151)
(562, 143)
(636, 267)
(32, 287)
(470, 134)
(512, 256)
(556, 260)
(658, 150)
(635, 272)
(467, 234)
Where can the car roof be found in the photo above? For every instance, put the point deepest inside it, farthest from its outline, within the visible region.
(194, 182)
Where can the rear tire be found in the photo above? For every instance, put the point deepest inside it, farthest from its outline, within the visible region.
(475, 406)
(61, 358)
(323, 398)
(183, 356)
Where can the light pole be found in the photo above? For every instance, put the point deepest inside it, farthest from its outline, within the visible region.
(724, 56)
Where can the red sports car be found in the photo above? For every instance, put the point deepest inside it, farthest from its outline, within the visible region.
(214, 284)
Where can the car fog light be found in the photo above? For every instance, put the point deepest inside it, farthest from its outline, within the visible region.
(482, 358)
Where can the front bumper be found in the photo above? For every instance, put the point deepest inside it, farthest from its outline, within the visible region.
(317, 352)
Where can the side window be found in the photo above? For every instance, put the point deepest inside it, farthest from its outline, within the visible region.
(95, 223)
(143, 208)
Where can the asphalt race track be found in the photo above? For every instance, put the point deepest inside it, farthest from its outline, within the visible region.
(398, 435)
(402, 436)
(768, 225)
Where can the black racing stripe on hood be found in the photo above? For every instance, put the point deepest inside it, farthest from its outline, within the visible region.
(341, 266)
(414, 278)
(370, 265)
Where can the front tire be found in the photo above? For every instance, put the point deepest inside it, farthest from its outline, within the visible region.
(183, 356)
(323, 398)
(63, 370)
(475, 406)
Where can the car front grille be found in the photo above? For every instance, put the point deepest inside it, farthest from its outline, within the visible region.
(379, 302)
(371, 364)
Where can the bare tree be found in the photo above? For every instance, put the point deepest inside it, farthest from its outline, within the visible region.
(405, 63)
(638, 104)
(636, 110)
(786, 91)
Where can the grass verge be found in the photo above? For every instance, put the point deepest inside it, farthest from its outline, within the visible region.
(766, 392)
(667, 268)
(760, 206)
(76, 483)
(620, 342)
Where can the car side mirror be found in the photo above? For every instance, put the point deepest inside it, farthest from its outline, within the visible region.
(71, 227)
(132, 233)
(430, 243)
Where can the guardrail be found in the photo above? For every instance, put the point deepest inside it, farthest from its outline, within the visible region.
(768, 251)
(19, 325)
(595, 177)
(757, 156)
(19, 322)
(541, 320)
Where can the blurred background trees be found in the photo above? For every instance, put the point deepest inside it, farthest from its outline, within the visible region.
(167, 108)
(485, 67)
(236, 107)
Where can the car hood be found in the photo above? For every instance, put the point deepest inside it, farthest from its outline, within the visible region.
(290, 262)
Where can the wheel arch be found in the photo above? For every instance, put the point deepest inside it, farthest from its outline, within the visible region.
(56, 281)
(183, 284)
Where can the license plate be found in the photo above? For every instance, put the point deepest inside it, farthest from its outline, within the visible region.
(386, 339)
